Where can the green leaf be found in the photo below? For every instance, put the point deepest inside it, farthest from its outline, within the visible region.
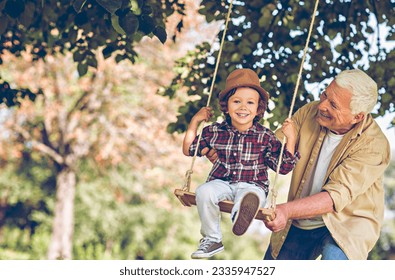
(264, 20)
(116, 26)
(107, 51)
(78, 56)
(82, 69)
(3, 23)
(147, 10)
(26, 18)
(147, 24)
(136, 7)
(110, 5)
(160, 32)
(119, 58)
(78, 5)
(129, 23)
(14, 8)
(92, 61)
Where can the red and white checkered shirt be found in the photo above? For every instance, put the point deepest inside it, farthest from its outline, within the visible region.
(244, 156)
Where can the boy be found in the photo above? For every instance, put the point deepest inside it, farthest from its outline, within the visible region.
(245, 150)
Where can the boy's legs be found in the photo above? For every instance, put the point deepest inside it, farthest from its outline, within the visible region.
(208, 196)
(248, 199)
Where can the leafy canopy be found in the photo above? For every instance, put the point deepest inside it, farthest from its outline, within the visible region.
(82, 27)
(269, 36)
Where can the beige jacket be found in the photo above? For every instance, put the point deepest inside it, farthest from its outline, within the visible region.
(353, 180)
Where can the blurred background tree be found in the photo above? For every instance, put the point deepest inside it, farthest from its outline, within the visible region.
(42, 31)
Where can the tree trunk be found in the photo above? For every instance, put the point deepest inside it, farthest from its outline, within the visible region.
(63, 225)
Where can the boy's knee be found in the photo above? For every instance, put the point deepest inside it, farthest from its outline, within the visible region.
(205, 193)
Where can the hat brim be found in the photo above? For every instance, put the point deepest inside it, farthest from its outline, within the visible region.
(263, 93)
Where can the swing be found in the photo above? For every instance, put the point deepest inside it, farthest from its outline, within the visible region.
(188, 198)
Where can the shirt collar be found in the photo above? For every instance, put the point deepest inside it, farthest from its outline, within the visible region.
(253, 129)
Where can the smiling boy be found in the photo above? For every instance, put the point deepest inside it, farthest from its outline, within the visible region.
(245, 150)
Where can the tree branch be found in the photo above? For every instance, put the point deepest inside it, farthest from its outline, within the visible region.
(39, 146)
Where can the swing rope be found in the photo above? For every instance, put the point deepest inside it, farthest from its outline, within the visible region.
(188, 174)
(272, 189)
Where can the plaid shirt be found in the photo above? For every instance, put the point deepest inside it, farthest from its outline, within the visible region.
(244, 156)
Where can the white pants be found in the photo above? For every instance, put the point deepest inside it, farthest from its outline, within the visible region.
(211, 193)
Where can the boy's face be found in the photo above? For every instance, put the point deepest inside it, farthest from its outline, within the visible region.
(243, 107)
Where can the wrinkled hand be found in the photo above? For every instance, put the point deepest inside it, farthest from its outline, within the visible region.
(280, 221)
(211, 154)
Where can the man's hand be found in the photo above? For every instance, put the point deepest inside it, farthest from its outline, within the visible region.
(211, 154)
(280, 221)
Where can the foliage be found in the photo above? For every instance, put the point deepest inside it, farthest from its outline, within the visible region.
(26, 188)
(114, 221)
(82, 27)
(269, 36)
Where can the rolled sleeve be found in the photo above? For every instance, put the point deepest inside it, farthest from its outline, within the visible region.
(204, 142)
(289, 161)
(355, 175)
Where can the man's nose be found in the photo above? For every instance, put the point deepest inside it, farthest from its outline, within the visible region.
(323, 105)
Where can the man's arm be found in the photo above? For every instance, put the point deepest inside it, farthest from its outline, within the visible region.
(304, 208)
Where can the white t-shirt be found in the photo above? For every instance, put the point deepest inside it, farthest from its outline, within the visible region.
(315, 182)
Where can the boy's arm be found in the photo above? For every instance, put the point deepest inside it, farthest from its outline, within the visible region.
(190, 135)
(289, 131)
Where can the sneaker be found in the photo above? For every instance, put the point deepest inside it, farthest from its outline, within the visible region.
(207, 248)
(248, 208)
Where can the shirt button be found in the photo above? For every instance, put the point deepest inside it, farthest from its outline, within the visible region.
(234, 172)
(303, 181)
(235, 154)
(283, 237)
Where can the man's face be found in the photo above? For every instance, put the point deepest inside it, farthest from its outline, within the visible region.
(334, 110)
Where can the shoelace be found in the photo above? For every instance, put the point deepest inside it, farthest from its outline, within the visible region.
(205, 244)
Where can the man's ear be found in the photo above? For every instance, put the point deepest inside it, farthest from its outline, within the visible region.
(358, 118)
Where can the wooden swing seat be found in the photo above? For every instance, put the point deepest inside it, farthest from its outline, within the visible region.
(188, 199)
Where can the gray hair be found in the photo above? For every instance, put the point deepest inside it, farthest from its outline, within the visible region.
(363, 89)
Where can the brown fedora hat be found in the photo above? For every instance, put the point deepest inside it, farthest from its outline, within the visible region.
(243, 78)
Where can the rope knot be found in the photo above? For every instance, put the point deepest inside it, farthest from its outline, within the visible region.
(187, 184)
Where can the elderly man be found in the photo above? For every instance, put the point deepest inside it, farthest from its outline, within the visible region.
(336, 199)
